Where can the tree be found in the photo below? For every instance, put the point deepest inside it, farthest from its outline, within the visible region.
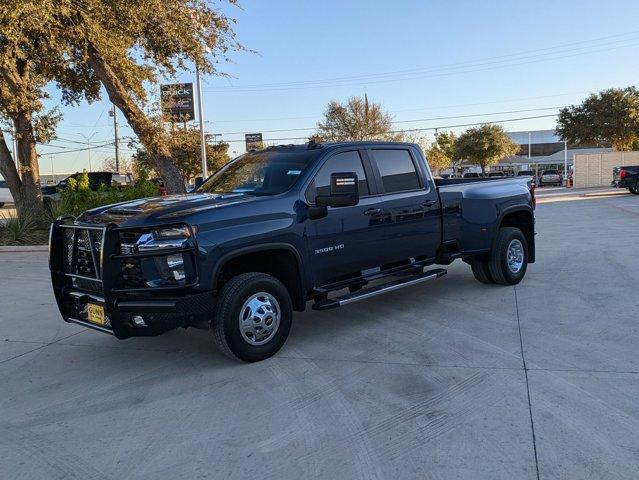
(442, 153)
(184, 147)
(355, 120)
(485, 145)
(607, 117)
(25, 48)
(126, 46)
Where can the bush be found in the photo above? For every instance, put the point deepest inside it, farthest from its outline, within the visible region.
(16, 231)
(78, 196)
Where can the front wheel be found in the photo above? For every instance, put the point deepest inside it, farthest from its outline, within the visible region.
(252, 317)
(634, 190)
(509, 258)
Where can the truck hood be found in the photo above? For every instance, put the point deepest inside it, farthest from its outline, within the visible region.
(162, 209)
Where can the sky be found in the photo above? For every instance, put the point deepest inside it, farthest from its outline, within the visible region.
(429, 63)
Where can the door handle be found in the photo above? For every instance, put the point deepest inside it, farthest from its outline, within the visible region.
(372, 211)
(429, 203)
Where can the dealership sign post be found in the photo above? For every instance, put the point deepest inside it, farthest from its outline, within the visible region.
(177, 102)
(253, 141)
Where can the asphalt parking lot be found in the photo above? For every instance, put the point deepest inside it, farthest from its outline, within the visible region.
(451, 379)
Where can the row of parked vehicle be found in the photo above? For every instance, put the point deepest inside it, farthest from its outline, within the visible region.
(546, 177)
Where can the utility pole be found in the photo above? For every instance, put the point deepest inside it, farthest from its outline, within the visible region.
(114, 114)
(200, 108)
(88, 140)
(89, 152)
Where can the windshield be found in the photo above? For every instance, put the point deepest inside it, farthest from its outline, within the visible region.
(260, 173)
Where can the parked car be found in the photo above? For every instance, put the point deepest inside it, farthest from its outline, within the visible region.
(277, 228)
(550, 177)
(626, 177)
(496, 174)
(472, 175)
(96, 179)
(5, 194)
(527, 173)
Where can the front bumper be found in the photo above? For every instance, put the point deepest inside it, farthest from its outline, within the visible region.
(86, 268)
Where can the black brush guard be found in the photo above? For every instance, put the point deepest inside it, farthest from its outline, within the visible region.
(86, 264)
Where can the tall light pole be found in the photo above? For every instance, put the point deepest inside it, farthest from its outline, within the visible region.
(200, 108)
(565, 163)
(114, 114)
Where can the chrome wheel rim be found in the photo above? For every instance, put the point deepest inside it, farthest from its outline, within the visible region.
(515, 256)
(259, 318)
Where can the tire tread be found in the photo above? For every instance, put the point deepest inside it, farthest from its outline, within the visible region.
(496, 261)
(224, 304)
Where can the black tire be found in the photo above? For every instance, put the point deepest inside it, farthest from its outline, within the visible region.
(498, 261)
(481, 271)
(634, 190)
(226, 325)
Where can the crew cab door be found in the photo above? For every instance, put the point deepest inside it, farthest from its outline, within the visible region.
(347, 239)
(409, 203)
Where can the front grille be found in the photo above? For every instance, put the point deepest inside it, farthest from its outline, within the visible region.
(82, 248)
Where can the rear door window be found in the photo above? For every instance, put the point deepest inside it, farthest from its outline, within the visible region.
(397, 170)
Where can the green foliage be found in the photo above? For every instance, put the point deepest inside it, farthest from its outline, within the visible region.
(19, 231)
(608, 117)
(78, 196)
(184, 145)
(442, 153)
(485, 145)
(356, 120)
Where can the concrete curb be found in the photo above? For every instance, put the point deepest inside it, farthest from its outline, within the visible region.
(23, 248)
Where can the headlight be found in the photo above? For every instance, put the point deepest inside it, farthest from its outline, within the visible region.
(164, 238)
(172, 233)
(171, 267)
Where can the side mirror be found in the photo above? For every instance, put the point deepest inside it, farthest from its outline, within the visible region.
(198, 182)
(344, 191)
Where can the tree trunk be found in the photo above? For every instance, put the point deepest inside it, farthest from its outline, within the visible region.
(143, 127)
(26, 192)
(483, 169)
(29, 168)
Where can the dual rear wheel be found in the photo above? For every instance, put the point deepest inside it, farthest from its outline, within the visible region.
(507, 262)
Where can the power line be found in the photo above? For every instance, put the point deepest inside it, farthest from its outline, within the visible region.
(300, 129)
(440, 107)
(441, 127)
(80, 149)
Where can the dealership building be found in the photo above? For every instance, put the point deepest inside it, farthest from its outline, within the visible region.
(543, 150)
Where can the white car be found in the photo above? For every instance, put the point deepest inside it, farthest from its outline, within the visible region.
(550, 177)
(5, 194)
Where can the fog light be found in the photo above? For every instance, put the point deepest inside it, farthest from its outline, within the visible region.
(138, 321)
(176, 265)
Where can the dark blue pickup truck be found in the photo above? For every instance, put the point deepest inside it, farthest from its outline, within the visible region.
(277, 228)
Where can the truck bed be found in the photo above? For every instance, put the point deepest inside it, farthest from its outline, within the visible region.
(470, 205)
